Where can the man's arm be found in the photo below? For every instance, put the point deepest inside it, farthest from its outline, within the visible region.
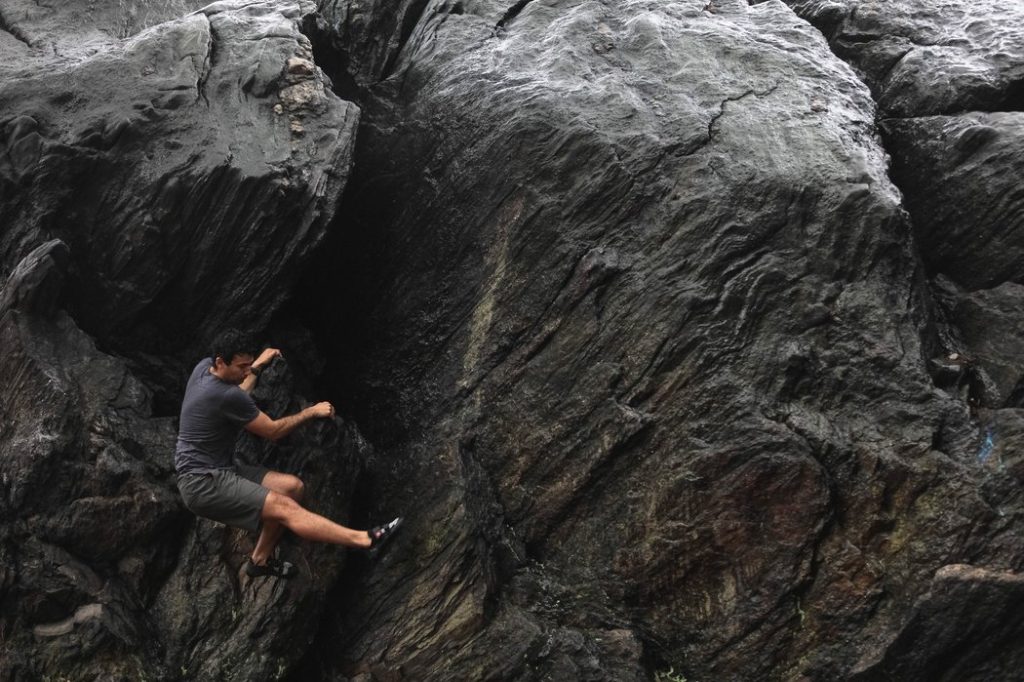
(265, 358)
(275, 429)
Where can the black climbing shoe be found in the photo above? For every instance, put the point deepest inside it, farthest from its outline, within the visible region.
(274, 567)
(379, 535)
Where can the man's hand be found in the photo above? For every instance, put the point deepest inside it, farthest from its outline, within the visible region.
(324, 409)
(266, 356)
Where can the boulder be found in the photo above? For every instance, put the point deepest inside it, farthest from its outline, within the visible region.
(86, 495)
(35, 36)
(191, 168)
(641, 325)
(923, 59)
(103, 573)
(622, 294)
(962, 629)
(958, 177)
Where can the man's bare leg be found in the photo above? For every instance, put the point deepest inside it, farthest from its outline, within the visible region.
(272, 530)
(304, 523)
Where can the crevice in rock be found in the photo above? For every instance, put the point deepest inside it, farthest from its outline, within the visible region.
(511, 14)
(320, 657)
(721, 107)
(346, 261)
(332, 59)
(8, 27)
(409, 21)
(497, 552)
(1013, 98)
(206, 67)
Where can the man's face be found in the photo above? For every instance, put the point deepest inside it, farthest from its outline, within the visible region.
(237, 370)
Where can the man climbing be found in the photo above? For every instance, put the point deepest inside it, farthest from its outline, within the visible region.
(217, 405)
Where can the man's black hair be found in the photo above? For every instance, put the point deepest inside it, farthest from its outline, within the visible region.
(232, 342)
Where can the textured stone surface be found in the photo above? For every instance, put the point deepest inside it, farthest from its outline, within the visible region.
(363, 39)
(645, 304)
(84, 483)
(35, 35)
(103, 573)
(990, 321)
(964, 628)
(959, 177)
(188, 168)
(925, 58)
(621, 293)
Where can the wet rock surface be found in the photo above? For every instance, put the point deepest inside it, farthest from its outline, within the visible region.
(923, 59)
(956, 617)
(650, 307)
(191, 169)
(668, 370)
(958, 176)
(990, 323)
(103, 573)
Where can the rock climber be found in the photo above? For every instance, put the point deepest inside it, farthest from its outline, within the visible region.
(217, 405)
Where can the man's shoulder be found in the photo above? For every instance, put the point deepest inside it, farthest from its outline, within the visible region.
(201, 370)
(202, 366)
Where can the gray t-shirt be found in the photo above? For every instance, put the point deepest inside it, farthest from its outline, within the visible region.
(212, 414)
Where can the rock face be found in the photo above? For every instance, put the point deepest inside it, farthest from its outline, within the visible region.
(103, 573)
(190, 168)
(924, 59)
(188, 171)
(670, 373)
(650, 293)
(957, 175)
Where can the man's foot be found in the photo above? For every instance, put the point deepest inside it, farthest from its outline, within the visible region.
(379, 535)
(274, 567)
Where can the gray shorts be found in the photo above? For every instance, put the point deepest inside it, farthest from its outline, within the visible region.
(231, 496)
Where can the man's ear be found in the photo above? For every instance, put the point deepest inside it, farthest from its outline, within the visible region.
(218, 362)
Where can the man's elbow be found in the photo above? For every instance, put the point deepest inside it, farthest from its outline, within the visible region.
(271, 433)
(267, 432)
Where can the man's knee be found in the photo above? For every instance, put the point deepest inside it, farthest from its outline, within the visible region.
(278, 506)
(285, 484)
(296, 489)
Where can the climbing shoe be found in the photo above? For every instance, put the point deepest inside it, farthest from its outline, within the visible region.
(274, 567)
(379, 535)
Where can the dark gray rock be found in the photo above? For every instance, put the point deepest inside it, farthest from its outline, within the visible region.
(103, 573)
(621, 293)
(363, 39)
(162, 161)
(37, 36)
(191, 169)
(958, 175)
(646, 310)
(990, 322)
(86, 502)
(922, 59)
(964, 628)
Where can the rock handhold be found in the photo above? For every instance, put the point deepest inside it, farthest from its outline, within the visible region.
(990, 323)
(37, 282)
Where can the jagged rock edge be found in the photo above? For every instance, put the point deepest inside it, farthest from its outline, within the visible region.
(8, 27)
